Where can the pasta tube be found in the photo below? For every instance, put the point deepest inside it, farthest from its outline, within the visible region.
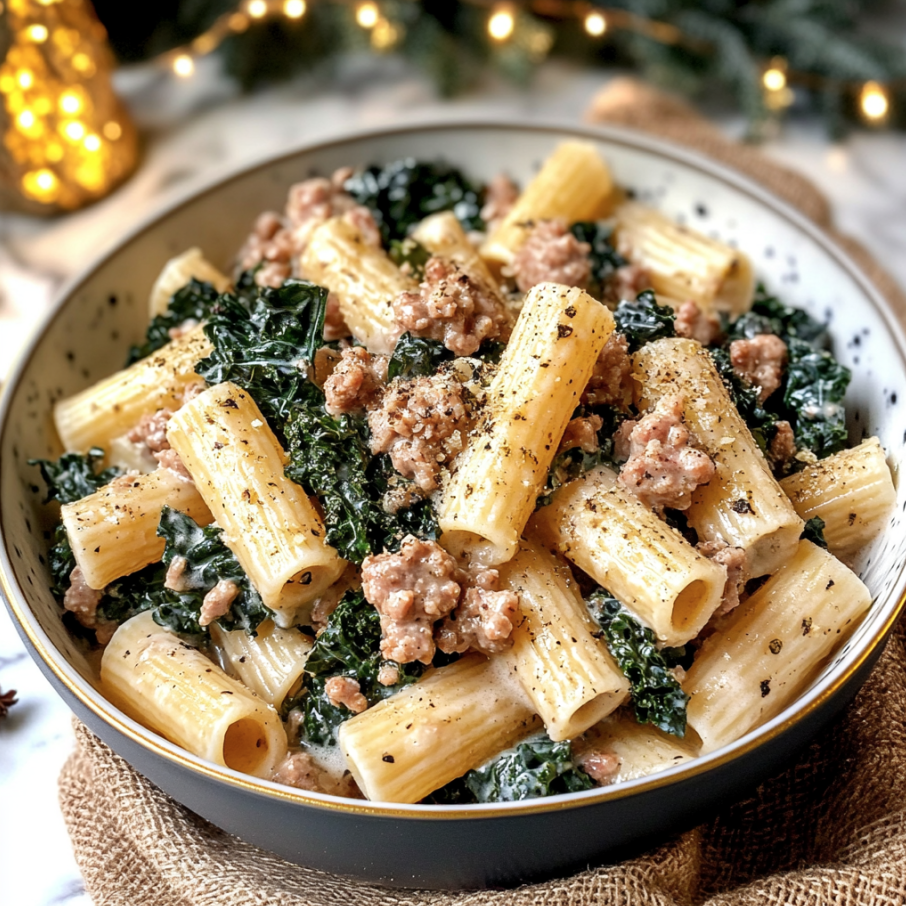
(545, 368)
(113, 532)
(172, 688)
(451, 721)
(268, 521)
(743, 504)
(611, 535)
(270, 663)
(574, 184)
(177, 272)
(115, 405)
(568, 675)
(363, 278)
(684, 264)
(852, 491)
(751, 670)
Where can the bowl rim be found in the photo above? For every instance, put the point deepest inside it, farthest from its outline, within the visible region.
(91, 699)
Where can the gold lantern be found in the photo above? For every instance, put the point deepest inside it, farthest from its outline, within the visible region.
(65, 138)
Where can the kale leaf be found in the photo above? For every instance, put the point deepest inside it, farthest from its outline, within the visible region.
(410, 255)
(416, 357)
(785, 321)
(604, 257)
(644, 320)
(657, 697)
(74, 476)
(194, 301)
(60, 561)
(536, 767)
(349, 646)
(814, 531)
(404, 192)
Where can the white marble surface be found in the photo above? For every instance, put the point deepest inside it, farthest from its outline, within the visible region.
(199, 130)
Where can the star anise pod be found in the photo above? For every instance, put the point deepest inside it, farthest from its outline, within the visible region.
(7, 700)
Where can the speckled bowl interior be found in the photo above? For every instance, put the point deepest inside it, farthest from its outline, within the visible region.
(103, 311)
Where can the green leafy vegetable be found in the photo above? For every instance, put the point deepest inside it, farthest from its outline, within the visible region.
(657, 697)
(60, 561)
(416, 357)
(402, 193)
(785, 321)
(349, 646)
(604, 257)
(74, 476)
(814, 531)
(410, 255)
(194, 301)
(644, 320)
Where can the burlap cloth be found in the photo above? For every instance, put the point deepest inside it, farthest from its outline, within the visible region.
(829, 830)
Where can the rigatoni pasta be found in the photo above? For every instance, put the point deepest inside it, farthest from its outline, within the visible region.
(177, 272)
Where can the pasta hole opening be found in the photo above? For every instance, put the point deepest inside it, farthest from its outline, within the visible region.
(588, 715)
(688, 604)
(245, 746)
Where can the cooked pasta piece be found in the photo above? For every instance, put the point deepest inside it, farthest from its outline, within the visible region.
(774, 642)
(743, 504)
(177, 272)
(611, 535)
(451, 721)
(852, 491)
(503, 469)
(114, 405)
(268, 521)
(574, 184)
(363, 278)
(170, 687)
(568, 674)
(682, 263)
(270, 663)
(113, 532)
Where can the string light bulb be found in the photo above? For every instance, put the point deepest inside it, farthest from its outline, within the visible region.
(70, 103)
(367, 14)
(294, 9)
(183, 65)
(501, 24)
(257, 9)
(774, 79)
(595, 24)
(874, 102)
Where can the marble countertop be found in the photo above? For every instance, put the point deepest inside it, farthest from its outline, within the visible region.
(196, 131)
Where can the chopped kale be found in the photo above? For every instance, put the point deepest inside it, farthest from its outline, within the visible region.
(677, 519)
(194, 301)
(657, 697)
(814, 531)
(409, 252)
(349, 646)
(491, 351)
(74, 476)
(644, 320)
(604, 257)
(416, 357)
(60, 561)
(534, 768)
(402, 193)
(786, 321)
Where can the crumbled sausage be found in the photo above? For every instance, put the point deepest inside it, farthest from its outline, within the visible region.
(694, 324)
(551, 254)
(421, 423)
(611, 382)
(300, 770)
(760, 361)
(483, 620)
(581, 432)
(342, 690)
(500, 196)
(783, 444)
(82, 601)
(328, 602)
(602, 765)
(191, 390)
(217, 601)
(734, 559)
(170, 459)
(356, 382)
(174, 333)
(626, 282)
(388, 674)
(152, 431)
(335, 327)
(270, 244)
(363, 220)
(410, 590)
(662, 467)
(451, 306)
(175, 579)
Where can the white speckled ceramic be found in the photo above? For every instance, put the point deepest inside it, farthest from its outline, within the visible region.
(104, 310)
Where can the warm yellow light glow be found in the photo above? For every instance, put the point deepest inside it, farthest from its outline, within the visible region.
(83, 63)
(43, 106)
(25, 78)
(595, 24)
(26, 119)
(367, 15)
(501, 25)
(37, 33)
(92, 143)
(257, 9)
(7, 84)
(873, 101)
(774, 79)
(54, 152)
(294, 9)
(384, 35)
(70, 103)
(238, 22)
(183, 65)
(75, 131)
(204, 44)
(113, 130)
(40, 184)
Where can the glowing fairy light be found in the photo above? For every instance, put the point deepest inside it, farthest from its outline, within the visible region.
(873, 101)
(595, 24)
(501, 24)
(774, 79)
(37, 33)
(70, 103)
(367, 15)
(257, 9)
(74, 131)
(92, 143)
(294, 9)
(183, 65)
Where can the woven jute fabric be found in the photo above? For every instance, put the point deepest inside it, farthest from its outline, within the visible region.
(831, 829)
